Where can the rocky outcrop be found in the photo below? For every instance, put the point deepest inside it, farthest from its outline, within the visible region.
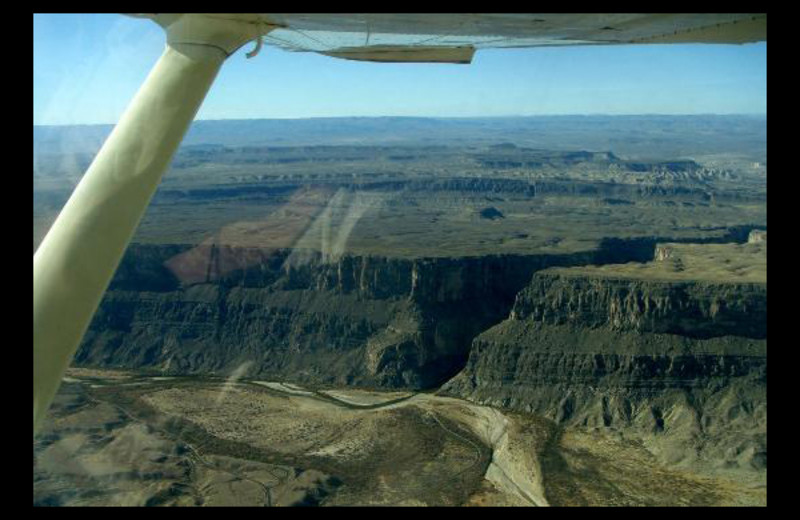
(521, 364)
(682, 364)
(573, 187)
(491, 213)
(346, 319)
(692, 309)
(304, 316)
(696, 402)
(756, 236)
(692, 191)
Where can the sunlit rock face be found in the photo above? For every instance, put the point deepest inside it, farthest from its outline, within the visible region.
(756, 236)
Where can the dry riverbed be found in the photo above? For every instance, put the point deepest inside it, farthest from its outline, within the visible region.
(194, 441)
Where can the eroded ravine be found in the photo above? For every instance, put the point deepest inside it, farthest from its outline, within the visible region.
(509, 470)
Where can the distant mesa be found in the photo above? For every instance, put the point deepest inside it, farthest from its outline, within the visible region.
(491, 213)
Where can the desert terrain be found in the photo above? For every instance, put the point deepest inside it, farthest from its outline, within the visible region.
(410, 311)
(141, 440)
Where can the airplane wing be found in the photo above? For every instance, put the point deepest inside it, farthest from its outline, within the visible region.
(454, 38)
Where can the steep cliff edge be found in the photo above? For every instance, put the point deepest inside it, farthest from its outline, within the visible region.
(664, 357)
(303, 316)
(697, 309)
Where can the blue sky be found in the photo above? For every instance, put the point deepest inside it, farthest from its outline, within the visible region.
(87, 67)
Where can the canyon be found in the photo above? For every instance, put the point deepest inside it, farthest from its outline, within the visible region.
(580, 328)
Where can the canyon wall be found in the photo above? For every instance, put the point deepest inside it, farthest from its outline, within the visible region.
(678, 365)
(304, 316)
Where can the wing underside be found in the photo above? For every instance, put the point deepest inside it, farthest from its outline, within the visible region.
(455, 37)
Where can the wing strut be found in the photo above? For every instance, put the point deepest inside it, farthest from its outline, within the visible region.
(75, 262)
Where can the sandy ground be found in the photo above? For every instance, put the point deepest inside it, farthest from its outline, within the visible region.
(284, 387)
(81, 373)
(388, 448)
(298, 422)
(364, 397)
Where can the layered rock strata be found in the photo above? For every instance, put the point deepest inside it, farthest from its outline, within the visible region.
(304, 316)
(681, 362)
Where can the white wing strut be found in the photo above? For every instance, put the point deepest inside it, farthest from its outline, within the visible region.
(77, 259)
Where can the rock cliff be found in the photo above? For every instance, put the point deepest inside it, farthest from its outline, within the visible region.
(368, 320)
(677, 364)
(304, 316)
(680, 360)
(694, 309)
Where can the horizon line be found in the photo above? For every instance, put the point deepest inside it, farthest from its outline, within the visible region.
(637, 114)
